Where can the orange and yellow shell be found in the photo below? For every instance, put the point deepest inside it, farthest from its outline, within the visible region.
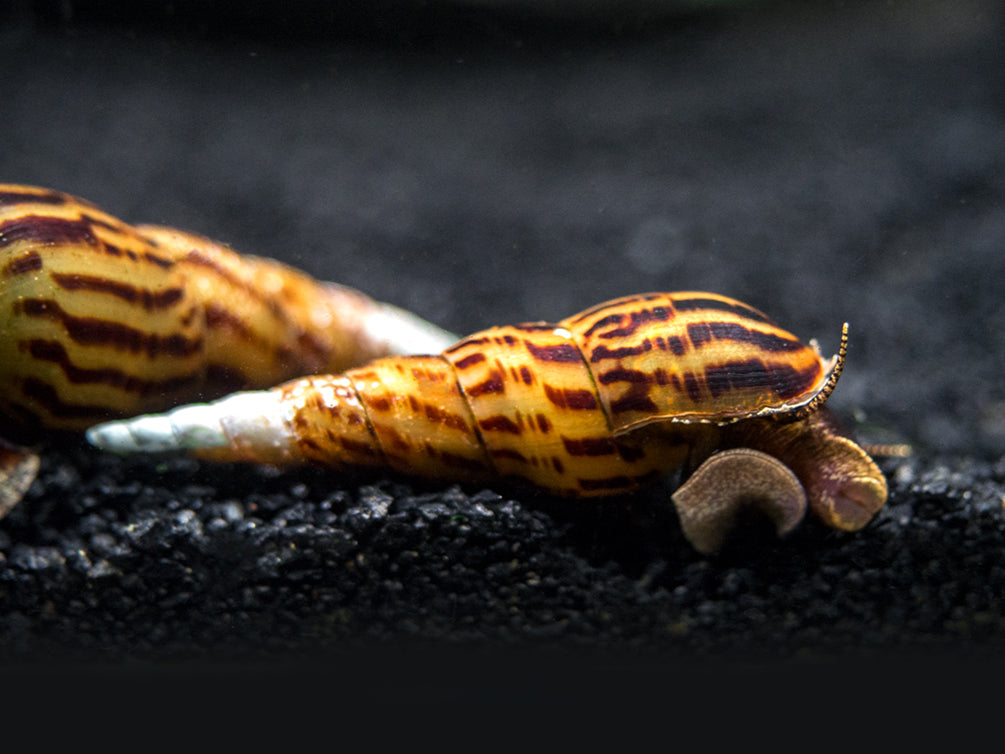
(100, 319)
(600, 403)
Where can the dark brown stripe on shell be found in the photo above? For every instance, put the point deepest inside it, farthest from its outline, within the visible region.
(699, 334)
(110, 223)
(500, 423)
(630, 453)
(465, 343)
(420, 373)
(219, 318)
(765, 341)
(30, 262)
(50, 231)
(634, 401)
(676, 345)
(589, 446)
(713, 304)
(446, 418)
(616, 304)
(93, 331)
(156, 259)
(692, 386)
(42, 229)
(602, 352)
(638, 318)
(631, 376)
(610, 319)
(149, 300)
(573, 399)
(493, 384)
(379, 403)
(754, 374)
(113, 250)
(54, 352)
(469, 361)
(564, 353)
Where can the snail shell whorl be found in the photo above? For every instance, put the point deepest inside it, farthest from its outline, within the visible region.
(694, 357)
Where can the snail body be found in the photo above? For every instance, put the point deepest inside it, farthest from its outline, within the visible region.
(598, 404)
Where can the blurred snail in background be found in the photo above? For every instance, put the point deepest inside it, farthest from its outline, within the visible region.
(600, 403)
(100, 319)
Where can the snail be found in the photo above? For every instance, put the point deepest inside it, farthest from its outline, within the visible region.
(598, 404)
(100, 319)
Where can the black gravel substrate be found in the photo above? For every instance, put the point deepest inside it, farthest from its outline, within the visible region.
(185, 561)
(824, 162)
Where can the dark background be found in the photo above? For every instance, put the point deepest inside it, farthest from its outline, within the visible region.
(488, 163)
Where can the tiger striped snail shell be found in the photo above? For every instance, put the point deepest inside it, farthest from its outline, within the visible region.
(598, 404)
(100, 319)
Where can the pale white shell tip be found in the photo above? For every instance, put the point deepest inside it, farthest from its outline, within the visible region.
(189, 427)
(143, 434)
